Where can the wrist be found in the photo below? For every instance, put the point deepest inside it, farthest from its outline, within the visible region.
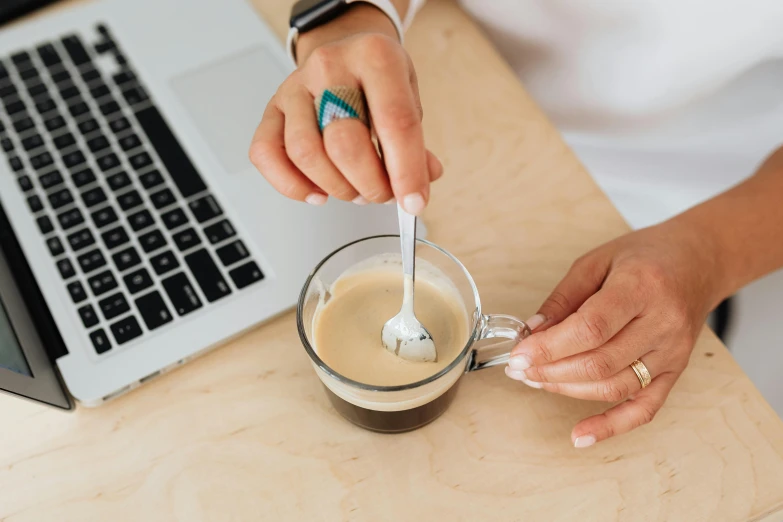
(359, 18)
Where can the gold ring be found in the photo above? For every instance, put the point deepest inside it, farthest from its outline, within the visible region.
(339, 103)
(642, 373)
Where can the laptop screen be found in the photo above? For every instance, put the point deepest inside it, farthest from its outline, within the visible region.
(11, 355)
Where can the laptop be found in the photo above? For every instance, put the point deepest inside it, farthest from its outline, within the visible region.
(135, 233)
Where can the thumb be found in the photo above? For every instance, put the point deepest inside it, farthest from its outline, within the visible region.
(584, 278)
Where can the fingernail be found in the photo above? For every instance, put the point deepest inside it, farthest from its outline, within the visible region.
(536, 321)
(316, 199)
(359, 200)
(521, 377)
(519, 362)
(585, 441)
(413, 204)
(391, 201)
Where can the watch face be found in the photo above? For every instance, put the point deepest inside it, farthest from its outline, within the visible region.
(309, 14)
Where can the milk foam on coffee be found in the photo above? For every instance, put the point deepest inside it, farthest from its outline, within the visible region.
(347, 326)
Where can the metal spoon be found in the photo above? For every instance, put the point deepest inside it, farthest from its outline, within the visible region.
(403, 334)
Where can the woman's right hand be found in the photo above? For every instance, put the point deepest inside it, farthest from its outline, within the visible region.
(289, 150)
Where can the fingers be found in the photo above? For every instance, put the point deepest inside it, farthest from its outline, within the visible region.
(625, 416)
(593, 324)
(305, 146)
(268, 154)
(434, 166)
(397, 122)
(601, 363)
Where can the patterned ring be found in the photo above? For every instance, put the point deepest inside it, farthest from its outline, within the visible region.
(339, 103)
(642, 373)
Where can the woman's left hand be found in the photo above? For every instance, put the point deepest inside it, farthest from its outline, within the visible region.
(642, 296)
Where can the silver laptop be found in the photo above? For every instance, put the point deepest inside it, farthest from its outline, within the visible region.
(135, 232)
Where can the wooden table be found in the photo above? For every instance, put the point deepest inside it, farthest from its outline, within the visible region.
(246, 433)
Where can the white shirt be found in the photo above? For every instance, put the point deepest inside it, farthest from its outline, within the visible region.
(666, 102)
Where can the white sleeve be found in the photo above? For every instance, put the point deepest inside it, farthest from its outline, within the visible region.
(413, 8)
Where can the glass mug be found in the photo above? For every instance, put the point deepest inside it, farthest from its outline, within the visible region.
(396, 409)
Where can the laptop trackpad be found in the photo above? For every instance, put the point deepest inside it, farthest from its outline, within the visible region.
(227, 99)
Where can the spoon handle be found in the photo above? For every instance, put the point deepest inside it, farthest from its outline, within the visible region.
(407, 241)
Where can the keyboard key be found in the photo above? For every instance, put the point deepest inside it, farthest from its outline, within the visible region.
(61, 76)
(104, 47)
(81, 239)
(68, 91)
(88, 315)
(66, 268)
(30, 75)
(78, 109)
(64, 141)
(174, 218)
(49, 55)
(135, 95)
(130, 142)
(152, 241)
(125, 259)
(118, 181)
(177, 162)
(162, 198)
(88, 126)
(104, 216)
(55, 246)
(91, 75)
(21, 58)
(186, 239)
(182, 294)
(138, 281)
(91, 261)
(33, 142)
(100, 342)
(76, 50)
(113, 306)
(45, 105)
(98, 143)
(23, 125)
(129, 200)
(141, 220)
(99, 91)
(126, 330)
(123, 77)
(25, 183)
(108, 162)
(70, 218)
(151, 179)
(41, 160)
(8, 145)
(83, 177)
(7, 91)
(45, 224)
(207, 275)
(73, 159)
(109, 108)
(15, 163)
(164, 263)
(115, 237)
(50, 179)
(232, 253)
(153, 310)
(119, 125)
(93, 197)
(246, 275)
(15, 107)
(54, 123)
(102, 283)
(60, 198)
(35, 204)
(205, 209)
(140, 160)
(219, 231)
(77, 292)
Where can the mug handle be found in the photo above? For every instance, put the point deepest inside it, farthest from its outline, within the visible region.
(496, 327)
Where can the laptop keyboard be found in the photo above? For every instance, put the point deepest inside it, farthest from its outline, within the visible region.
(131, 226)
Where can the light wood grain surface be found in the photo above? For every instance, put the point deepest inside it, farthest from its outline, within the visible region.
(246, 433)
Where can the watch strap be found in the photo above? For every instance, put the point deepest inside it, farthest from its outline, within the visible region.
(384, 5)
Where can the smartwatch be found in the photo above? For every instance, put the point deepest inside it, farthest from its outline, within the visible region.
(306, 15)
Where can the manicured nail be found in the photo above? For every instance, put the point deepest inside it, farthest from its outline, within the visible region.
(585, 441)
(391, 201)
(519, 362)
(536, 321)
(413, 204)
(316, 199)
(521, 377)
(359, 200)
